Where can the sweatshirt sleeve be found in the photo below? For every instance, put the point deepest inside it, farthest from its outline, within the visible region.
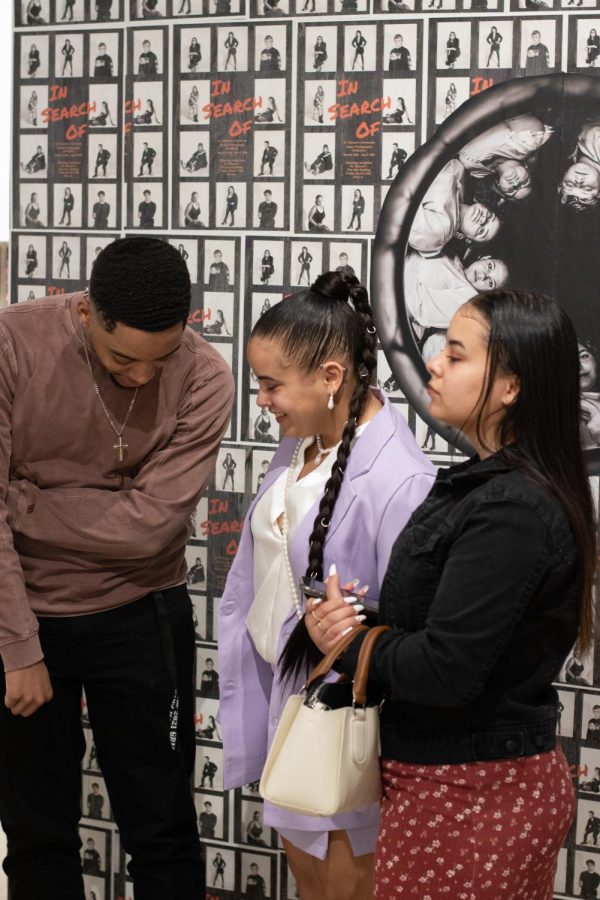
(142, 520)
(19, 642)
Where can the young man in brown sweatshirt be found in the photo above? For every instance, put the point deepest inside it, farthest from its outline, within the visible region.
(111, 414)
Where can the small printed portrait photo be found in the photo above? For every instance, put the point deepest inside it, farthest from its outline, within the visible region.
(104, 106)
(210, 810)
(93, 248)
(102, 156)
(252, 789)
(209, 768)
(589, 771)
(218, 318)
(310, 6)
(199, 616)
(220, 868)
(400, 47)
(425, 435)
(194, 50)
(32, 257)
(590, 720)
(224, 7)
(230, 473)
(147, 103)
(219, 265)
(588, 43)
(147, 154)
(205, 718)
(33, 205)
(319, 96)
(195, 558)
(321, 49)
(188, 250)
(267, 262)
(104, 55)
(495, 44)
(581, 4)
(262, 424)
(396, 147)
(269, 154)
(257, 872)
(94, 888)
(578, 670)
(453, 45)
(94, 850)
(33, 101)
(346, 257)
(105, 10)
(306, 262)
(194, 155)
(207, 668)
(251, 827)
(269, 206)
(270, 48)
(90, 759)
(396, 6)
(360, 48)
(261, 302)
(66, 258)
(318, 208)
(148, 53)
(387, 381)
(586, 874)
(187, 7)
(400, 97)
(319, 156)
(565, 713)
(232, 49)
(35, 12)
(147, 205)
(350, 6)
(538, 46)
(230, 204)
(68, 58)
(261, 460)
(273, 8)
(357, 207)
(482, 5)
(193, 97)
(270, 96)
(25, 292)
(33, 155)
(193, 204)
(95, 804)
(587, 828)
(34, 56)
(151, 9)
(449, 94)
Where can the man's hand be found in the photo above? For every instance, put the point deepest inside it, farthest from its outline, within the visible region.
(27, 689)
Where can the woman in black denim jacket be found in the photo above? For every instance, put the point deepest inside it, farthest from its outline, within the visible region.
(487, 589)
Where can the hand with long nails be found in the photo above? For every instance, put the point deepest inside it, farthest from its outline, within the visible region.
(328, 620)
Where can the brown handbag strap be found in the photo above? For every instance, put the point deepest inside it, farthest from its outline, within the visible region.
(361, 673)
(327, 662)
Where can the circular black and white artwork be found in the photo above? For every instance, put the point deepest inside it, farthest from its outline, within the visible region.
(507, 192)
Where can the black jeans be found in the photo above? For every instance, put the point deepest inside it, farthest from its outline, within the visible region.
(126, 659)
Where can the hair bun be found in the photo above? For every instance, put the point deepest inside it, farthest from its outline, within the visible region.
(335, 286)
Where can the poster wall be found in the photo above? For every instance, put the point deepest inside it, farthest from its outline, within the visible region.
(261, 138)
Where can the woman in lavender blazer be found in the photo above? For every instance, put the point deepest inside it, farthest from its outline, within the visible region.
(313, 357)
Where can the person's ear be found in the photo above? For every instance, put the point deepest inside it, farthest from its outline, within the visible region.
(512, 388)
(333, 375)
(83, 310)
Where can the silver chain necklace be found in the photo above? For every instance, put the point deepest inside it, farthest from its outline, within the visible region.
(120, 446)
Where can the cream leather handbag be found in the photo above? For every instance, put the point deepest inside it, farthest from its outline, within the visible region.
(323, 760)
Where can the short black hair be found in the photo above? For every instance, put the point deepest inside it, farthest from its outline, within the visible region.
(142, 282)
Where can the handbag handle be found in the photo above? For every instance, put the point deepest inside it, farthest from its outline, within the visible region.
(361, 674)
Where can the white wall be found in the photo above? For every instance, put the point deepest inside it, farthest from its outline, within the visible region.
(5, 111)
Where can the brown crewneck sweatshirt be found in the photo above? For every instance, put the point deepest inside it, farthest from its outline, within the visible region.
(79, 531)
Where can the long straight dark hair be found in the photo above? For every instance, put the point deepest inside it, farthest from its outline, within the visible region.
(532, 337)
(331, 319)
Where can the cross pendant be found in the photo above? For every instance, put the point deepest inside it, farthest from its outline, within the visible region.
(121, 447)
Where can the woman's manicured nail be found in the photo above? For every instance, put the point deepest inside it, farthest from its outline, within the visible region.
(317, 600)
(359, 618)
(332, 570)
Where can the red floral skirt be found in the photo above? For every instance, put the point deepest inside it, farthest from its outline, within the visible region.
(476, 831)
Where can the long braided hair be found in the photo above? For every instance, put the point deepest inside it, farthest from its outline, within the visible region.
(332, 318)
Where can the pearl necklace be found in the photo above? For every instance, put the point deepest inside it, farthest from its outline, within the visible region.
(323, 451)
(284, 533)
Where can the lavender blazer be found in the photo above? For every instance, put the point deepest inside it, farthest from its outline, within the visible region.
(386, 479)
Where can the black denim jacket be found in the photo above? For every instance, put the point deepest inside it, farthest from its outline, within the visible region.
(481, 593)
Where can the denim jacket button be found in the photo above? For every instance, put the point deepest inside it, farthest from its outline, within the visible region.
(511, 746)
